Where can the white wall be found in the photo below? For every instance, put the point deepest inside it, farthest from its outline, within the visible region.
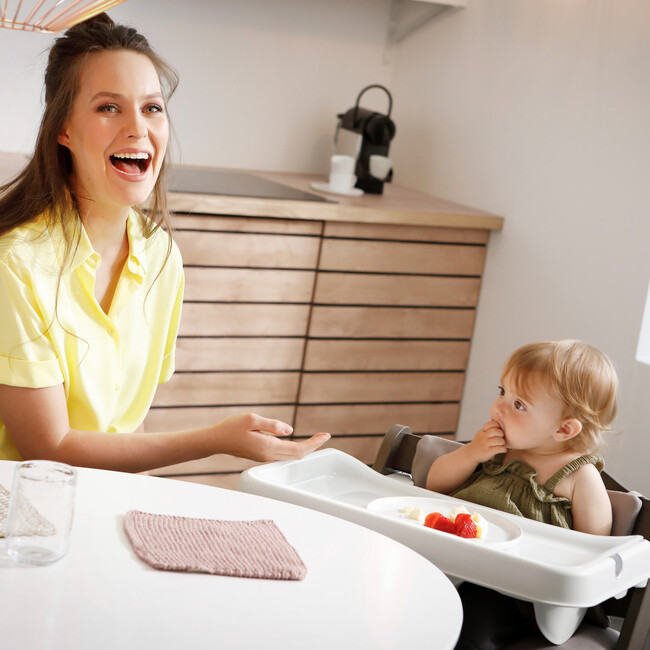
(261, 80)
(539, 111)
(533, 109)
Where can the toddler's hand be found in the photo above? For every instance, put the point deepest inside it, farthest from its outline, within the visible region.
(488, 442)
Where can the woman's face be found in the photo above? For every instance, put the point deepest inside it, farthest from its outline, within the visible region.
(117, 133)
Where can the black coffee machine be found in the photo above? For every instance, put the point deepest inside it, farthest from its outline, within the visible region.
(361, 133)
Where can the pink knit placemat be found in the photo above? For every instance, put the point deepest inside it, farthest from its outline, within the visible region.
(246, 549)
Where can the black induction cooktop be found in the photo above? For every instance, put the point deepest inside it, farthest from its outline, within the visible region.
(199, 180)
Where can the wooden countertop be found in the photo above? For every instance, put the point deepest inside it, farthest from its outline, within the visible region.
(397, 205)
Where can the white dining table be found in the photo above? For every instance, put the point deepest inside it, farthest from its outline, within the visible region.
(362, 589)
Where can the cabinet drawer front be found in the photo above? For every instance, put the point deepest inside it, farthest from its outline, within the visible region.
(181, 222)
(386, 355)
(239, 353)
(248, 250)
(388, 322)
(231, 319)
(248, 285)
(362, 289)
(381, 387)
(401, 257)
(405, 233)
(224, 388)
(350, 419)
(181, 418)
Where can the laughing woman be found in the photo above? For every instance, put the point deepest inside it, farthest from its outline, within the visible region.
(91, 286)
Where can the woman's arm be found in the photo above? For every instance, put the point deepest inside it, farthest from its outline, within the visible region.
(37, 422)
(450, 471)
(590, 504)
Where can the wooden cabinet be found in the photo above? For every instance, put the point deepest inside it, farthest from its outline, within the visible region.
(328, 325)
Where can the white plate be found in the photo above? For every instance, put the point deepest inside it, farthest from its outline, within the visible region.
(500, 530)
(325, 187)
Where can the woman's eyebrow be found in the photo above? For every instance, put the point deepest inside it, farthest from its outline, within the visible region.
(112, 95)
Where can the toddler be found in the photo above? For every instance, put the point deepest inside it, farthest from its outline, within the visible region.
(537, 457)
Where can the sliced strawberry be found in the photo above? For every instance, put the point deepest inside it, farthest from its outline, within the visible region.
(438, 521)
(446, 525)
(461, 518)
(431, 518)
(465, 526)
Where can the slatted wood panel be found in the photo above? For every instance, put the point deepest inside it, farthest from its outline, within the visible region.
(385, 354)
(390, 330)
(339, 327)
(375, 419)
(249, 286)
(248, 353)
(380, 322)
(209, 319)
(380, 387)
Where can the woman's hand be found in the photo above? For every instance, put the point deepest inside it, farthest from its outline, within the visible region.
(487, 443)
(261, 439)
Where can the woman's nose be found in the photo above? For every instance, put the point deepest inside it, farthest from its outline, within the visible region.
(135, 126)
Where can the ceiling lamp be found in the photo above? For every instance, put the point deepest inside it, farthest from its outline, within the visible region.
(49, 15)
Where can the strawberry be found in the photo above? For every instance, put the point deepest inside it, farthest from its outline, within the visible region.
(438, 521)
(431, 518)
(465, 526)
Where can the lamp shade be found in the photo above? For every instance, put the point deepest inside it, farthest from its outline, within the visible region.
(50, 15)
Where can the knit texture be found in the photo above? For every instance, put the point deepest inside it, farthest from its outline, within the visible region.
(27, 520)
(246, 549)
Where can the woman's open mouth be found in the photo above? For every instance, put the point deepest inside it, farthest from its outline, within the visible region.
(131, 163)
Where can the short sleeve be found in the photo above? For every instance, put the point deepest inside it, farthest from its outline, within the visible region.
(27, 357)
(169, 360)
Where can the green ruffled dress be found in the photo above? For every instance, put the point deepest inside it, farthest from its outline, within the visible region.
(513, 488)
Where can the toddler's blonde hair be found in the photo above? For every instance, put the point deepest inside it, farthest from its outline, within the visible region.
(577, 373)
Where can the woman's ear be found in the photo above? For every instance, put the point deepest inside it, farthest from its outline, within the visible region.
(63, 137)
(569, 428)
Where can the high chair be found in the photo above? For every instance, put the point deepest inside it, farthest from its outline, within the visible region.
(404, 453)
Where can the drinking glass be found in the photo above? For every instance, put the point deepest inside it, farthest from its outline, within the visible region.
(41, 508)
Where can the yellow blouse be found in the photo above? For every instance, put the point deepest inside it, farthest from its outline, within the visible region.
(51, 333)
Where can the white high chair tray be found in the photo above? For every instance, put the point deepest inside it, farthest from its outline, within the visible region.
(561, 571)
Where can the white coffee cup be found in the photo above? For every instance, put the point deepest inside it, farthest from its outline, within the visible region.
(380, 166)
(342, 178)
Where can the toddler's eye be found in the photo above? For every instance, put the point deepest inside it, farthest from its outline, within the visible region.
(519, 406)
(501, 391)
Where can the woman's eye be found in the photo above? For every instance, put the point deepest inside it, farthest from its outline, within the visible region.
(154, 108)
(107, 108)
(519, 406)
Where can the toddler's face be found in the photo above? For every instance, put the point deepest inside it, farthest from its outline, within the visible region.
(528, 422)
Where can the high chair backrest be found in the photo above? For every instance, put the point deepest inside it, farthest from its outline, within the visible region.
(407, 453)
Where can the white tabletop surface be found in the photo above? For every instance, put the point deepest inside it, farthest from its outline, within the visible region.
(362, 590)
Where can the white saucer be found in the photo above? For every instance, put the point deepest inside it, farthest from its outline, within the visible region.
(325, 187)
